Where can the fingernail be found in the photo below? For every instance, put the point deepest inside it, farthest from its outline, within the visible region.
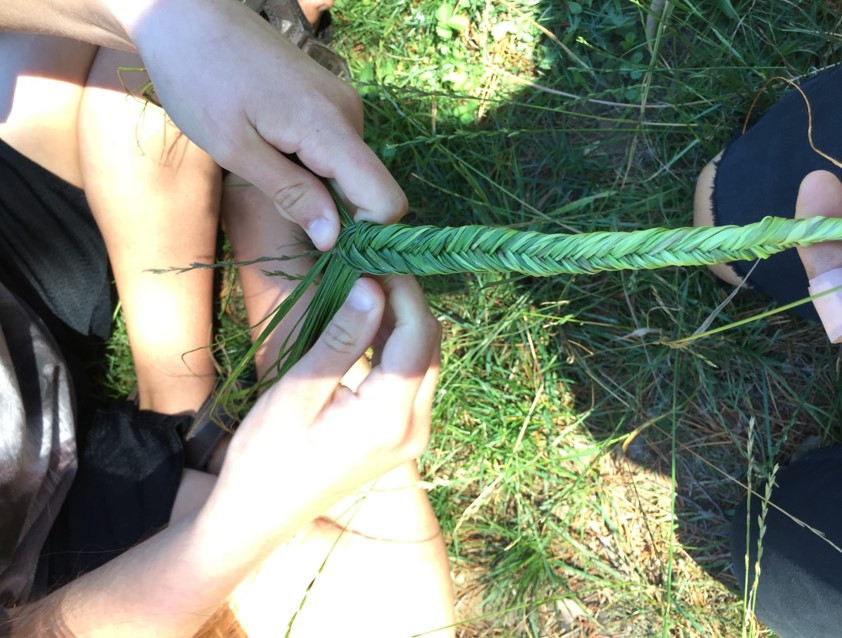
(321, 232)
(360, 298)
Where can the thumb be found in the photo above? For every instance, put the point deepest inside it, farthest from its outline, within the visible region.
(820, 194)
(314, 379)
(298, 194)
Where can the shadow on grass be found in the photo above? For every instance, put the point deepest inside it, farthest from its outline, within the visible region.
(584, 459)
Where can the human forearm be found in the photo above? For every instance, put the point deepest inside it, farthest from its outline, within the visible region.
(95, 21)
(165, 587)
(275, 479)
(111, 23)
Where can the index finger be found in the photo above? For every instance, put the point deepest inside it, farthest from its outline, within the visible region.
(358, 173)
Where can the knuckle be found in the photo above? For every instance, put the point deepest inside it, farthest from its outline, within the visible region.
(352, 102)
(417, 446)
(435, 326)
(399, 205)
(402, 203)
(414, 442)
(338, 338)
(395, 436)
(226, 155)
(290, 197)
(346, 106)
(230, 149)
(431, 326)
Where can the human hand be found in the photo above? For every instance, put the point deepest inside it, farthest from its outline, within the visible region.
(247, 96)
(821, 194)
(309, 441)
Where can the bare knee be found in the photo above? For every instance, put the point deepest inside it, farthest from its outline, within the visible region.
(41, 83)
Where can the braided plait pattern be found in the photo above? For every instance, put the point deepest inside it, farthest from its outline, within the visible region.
(429, 250)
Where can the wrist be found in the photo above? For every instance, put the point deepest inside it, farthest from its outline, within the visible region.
(241, 531)
(145, 24)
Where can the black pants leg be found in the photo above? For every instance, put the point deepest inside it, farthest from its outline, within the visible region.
(799, 591)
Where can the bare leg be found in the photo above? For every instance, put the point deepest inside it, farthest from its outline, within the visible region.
(379, 561)
(41, 84)
(155, 197)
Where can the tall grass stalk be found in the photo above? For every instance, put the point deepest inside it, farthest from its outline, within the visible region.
(753, 575)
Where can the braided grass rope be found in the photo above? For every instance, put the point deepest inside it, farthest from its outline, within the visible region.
(428, 250)
(366, 248)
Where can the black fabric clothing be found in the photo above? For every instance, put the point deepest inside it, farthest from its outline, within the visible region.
(53, 257)
(799, 591)
(51, 243)
(130, 467)
(760, 171)
(54, 263)
(799, 588)
(37, 443)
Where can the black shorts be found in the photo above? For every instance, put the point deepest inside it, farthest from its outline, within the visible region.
(130, 467)
(760, 172)
(53, 258)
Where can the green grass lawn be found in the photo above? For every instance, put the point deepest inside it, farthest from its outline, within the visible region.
(584, 469)
(584, 464)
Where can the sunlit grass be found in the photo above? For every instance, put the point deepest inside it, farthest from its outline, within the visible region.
(584, 467)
